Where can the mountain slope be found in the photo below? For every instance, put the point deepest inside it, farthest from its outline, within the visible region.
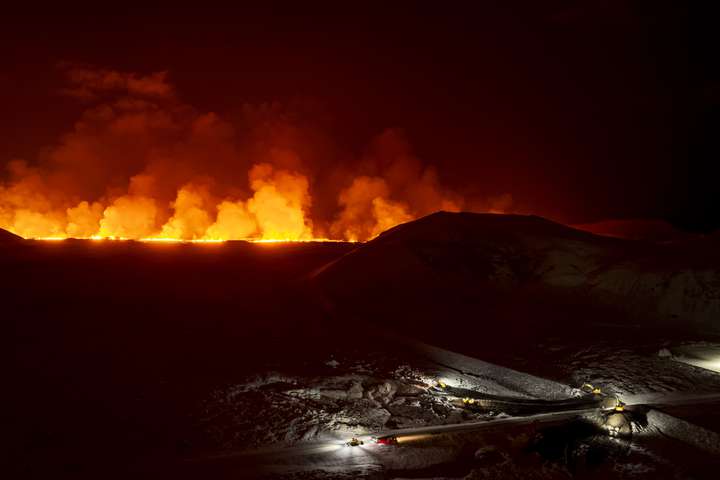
(485, 273)
(6, 236)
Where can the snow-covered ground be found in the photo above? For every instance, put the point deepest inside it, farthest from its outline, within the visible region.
(704, 355)
(296, 424)
(629, 363)
(349, 396)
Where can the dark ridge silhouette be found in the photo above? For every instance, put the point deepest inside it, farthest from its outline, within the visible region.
(6, 237)
(638, 229)
(477, 277)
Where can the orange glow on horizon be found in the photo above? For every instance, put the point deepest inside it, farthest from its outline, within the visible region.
(198, 241)
(277, 212)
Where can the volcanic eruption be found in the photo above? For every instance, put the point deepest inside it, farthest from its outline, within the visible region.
(141, 164)
(489, 241)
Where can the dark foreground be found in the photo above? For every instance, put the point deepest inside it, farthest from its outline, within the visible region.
(131, 360)
(113, 345)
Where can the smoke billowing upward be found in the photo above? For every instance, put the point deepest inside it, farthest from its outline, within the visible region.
(140, 164)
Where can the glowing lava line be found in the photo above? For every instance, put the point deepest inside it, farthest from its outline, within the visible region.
(196, 240)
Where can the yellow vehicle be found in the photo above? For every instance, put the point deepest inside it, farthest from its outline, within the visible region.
(354, 442)
(587, 388)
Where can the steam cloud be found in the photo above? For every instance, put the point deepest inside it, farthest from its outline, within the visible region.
(141, 164)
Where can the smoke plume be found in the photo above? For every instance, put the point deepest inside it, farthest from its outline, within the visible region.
(141, 164)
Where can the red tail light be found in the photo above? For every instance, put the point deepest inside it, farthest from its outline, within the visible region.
(387, 441)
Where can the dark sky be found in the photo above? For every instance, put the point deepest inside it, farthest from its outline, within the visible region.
(581, 110)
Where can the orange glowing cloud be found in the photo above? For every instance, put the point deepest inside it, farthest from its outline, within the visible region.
(140, 164)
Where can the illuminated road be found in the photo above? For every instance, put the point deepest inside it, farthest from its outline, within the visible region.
(671, 399)
(516, 405)
(703, 356)
(334, 453)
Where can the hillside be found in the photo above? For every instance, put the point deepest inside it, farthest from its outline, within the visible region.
(497, 273)
(6, 236)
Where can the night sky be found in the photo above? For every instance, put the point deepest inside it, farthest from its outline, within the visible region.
(582, 111)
